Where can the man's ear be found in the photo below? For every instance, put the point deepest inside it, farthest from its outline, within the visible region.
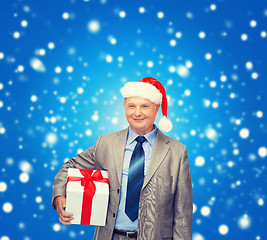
(157, 107)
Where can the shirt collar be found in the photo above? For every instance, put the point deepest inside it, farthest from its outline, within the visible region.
(150, 137)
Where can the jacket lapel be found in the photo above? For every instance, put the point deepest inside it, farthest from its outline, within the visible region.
(160, 150)
(118, 151)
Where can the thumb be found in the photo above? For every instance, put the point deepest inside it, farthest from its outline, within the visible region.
(64, 203)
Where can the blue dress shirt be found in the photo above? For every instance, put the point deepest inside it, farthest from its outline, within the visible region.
(123, 222)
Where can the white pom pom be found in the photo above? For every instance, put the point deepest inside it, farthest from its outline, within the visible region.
(165, 124)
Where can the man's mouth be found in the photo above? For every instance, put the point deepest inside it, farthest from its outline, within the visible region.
(138, 120)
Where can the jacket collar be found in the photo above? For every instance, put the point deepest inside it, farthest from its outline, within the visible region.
(159, 153)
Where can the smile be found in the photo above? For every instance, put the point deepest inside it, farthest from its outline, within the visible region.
(139, 120)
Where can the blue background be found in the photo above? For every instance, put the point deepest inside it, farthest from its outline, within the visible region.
(217, 102)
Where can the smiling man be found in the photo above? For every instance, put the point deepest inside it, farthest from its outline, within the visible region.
(149, 176)
(140, 114)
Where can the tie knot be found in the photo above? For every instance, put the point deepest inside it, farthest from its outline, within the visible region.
(140, 139)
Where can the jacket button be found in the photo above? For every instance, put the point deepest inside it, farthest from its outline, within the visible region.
(114, 214)
(118, 190)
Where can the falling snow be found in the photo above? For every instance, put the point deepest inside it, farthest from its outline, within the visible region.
(62, 68)
(94, 26)
(37, 65)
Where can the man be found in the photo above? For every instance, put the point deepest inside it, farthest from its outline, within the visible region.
(149, 177)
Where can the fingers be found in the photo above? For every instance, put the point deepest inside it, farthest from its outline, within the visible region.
(64, 217)
(65, 221)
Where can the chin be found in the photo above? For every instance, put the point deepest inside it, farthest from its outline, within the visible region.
(139, 127)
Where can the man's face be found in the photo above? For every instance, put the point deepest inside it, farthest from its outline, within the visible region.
(140, 114)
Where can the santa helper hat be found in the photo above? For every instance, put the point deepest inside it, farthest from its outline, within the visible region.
(151, 89)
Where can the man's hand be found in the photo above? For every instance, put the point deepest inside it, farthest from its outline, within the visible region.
(64, 217)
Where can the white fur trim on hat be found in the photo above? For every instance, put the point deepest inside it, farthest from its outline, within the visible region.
(141, 89)
(165, 124)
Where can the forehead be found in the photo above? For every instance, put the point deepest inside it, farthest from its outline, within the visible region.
(137, 100)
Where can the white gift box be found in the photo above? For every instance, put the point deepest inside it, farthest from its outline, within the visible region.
(75, 197)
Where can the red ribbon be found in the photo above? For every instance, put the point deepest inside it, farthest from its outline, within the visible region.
(89, 190)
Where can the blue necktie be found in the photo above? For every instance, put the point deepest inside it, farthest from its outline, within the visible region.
(135, 179)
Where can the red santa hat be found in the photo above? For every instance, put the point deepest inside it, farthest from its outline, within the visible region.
(151, 89)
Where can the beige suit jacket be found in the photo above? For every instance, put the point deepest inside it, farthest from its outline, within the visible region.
(165, 207)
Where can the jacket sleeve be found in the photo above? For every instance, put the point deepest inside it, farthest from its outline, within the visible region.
(183, 203)
(84, 160)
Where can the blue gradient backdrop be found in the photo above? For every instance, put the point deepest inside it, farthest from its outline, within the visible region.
(62, 64)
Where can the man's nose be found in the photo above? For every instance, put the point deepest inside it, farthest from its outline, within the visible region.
(138, 112)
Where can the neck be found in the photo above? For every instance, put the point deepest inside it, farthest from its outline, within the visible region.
(143, 132)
